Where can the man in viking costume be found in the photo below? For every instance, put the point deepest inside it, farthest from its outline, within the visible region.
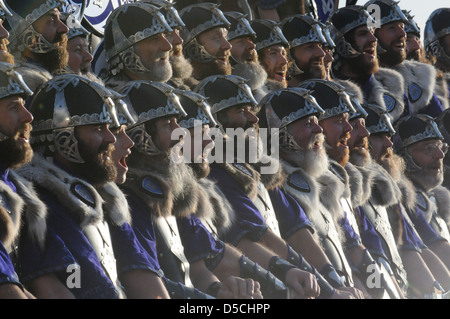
(72, 144)
(272, 46)
(38, 39)
(136, 46)
(417, 259)
(19, 203)
(160, 189)
(369, 183)
(244, 57)
(419, 79)
(337, 104)
(205, 40)
(255, 196)
(356, 60)
(437, 46)
(421, 145)
(307, 37)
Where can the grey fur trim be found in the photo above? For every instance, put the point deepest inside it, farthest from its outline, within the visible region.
(332, 190)
(385, 192)
(352, 88)
(408, 191)
(360, 184)
(388, 81)
(215, 206)
(35, 211)
(442, 196)
(10, 221)
(424, 75)
(33, 75)
(115, 205)
(45, 174)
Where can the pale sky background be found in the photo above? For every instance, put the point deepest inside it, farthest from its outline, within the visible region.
(420, 9)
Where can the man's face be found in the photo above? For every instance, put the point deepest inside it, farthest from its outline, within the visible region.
(392, 38)
(243, 50)
(380, 146)
(241, 116)
(275, 61)
(154, 55)
(429, 156)
(309, 58)
(215, 43)
(358, 142)
(95, 144)
(5, 56)
(15, 123)
(164, 127)
(413, 47)
(365, 42)
(50, 26)
(337, 132)
(54, 31)
(80, 57)
(122, 148)
(304, 132)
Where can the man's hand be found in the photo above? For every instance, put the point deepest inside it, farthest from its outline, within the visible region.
(239, 288)
(302, 284)
(347, 293)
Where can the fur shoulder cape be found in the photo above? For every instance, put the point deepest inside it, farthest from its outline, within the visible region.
(23, 209)
(76, 195)
(33, 75)
(387, 91)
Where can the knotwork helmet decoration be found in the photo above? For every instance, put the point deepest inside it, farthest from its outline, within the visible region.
(342, 22)
(199, 18)
(412, 129)
(282, 107)
(197, 109)
(436, 27)
(268, 33)
(389, 12)
(127, 25)
(148, 101)
(24, 14)
(63, 103)
(331, 96)
(11, 83)
(239, 27)
(300, 30)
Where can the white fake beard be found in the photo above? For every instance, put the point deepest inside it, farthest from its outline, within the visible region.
(181, 67)
(253, 72)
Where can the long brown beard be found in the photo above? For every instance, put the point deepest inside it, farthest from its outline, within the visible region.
(5, 56)
(56, 59)
(13, 155)
(203, 70)
(392, 58)
(358, 66)
(96, 169)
